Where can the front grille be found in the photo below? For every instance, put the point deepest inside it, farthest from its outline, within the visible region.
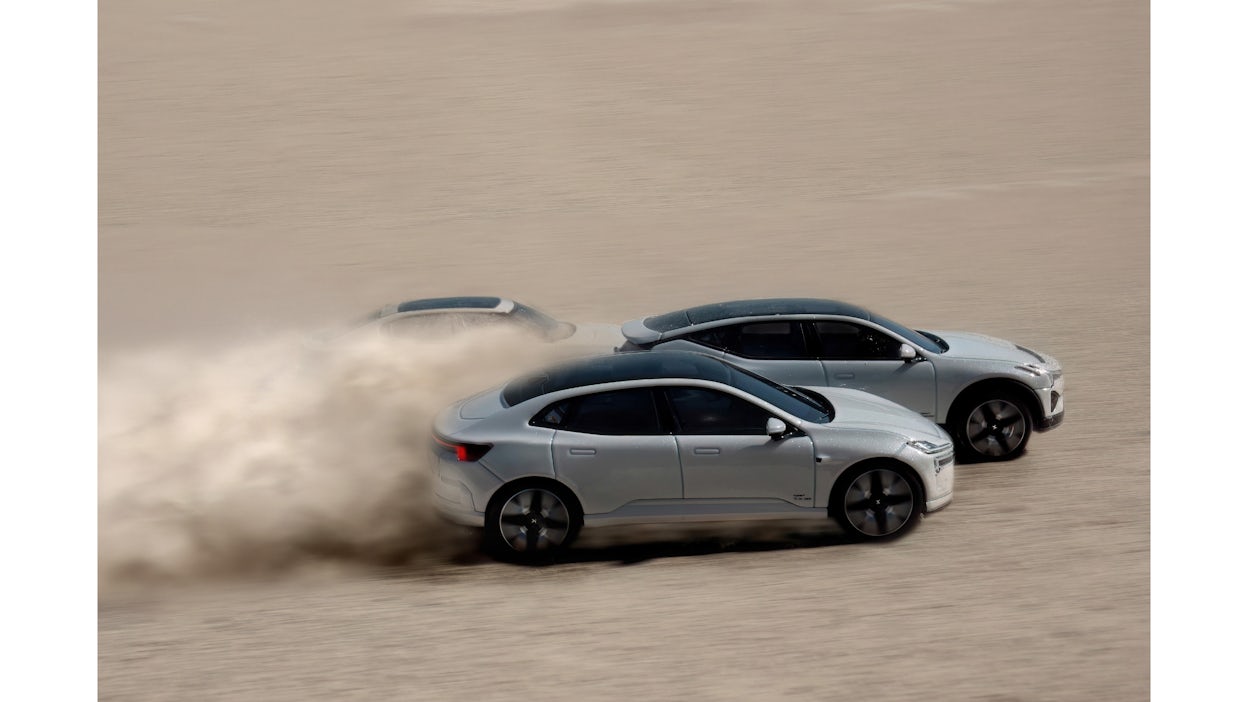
(942, 462)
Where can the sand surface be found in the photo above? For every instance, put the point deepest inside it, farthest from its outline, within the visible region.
(270, 168)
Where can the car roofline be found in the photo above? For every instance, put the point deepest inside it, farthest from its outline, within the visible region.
(638, 332)
(799, 316)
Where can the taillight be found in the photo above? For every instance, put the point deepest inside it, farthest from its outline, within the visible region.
(466, 452)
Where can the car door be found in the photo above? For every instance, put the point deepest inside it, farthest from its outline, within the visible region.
(777, 349)
(858, 356)
(611, 448)
(725, 451)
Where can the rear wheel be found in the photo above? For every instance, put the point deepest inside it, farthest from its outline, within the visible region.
(877, 500)
(531, 521)
(991, 426)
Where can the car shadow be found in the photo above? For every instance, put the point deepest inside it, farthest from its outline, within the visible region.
(634, 553)
(625, 549)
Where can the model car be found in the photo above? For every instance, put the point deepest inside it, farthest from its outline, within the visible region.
(990, 394)
(678, 437)
(441, 317)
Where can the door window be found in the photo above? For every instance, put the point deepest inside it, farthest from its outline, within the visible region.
(852, 342)
(704, 411)
(768, 340)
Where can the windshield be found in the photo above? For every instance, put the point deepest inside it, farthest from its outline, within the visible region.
(944, 345)
(908, 334)
(786, 398)
(551, 327)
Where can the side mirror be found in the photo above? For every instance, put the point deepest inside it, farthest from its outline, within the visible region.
(907, 353)
(776, 429)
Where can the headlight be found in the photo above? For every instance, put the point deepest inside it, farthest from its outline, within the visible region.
(927, 446)
(1040, 371)
(1033, 369)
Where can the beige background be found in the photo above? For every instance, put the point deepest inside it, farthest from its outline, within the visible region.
(273, 167)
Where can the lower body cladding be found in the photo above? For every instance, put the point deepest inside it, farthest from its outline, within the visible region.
(462, 492)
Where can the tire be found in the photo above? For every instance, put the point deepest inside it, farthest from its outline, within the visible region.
(876, 501)
(514, 531)
(994, 425)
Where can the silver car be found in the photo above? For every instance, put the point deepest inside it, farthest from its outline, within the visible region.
(434, 318)
(990, 394)
(679, 437)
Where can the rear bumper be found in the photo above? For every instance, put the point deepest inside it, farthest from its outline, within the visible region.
(456, 514)
(453, 502)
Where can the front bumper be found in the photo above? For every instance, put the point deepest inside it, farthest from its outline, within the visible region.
(1052, 405)
(939, 482)
(1050, 422)
(939, 503)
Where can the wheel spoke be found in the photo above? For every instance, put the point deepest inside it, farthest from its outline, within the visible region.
(535, 502)
(898, 499)
(858, 505)
(877, 483)
(514, 519)
(880, 512)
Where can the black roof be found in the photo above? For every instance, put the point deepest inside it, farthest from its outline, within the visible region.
(440, 303)
(617, 368)
(751, 308)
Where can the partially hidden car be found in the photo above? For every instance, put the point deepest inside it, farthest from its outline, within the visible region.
(671, 437)
(442, 317)
(990, 394)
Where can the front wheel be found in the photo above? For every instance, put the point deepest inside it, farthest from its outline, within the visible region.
(876, 501)
(531, 521)
(991, 427)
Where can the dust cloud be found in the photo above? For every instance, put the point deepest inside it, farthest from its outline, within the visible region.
(270, 454)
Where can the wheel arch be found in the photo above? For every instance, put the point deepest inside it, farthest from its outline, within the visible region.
(889, 461)
(508, 488)
(1031, 404)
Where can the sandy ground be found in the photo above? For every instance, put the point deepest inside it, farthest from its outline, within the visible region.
(268, 168)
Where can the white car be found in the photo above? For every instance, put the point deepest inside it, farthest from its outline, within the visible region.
(435, 318)
(991, 394)
(678, 437)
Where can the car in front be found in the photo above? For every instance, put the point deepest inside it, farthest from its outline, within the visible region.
(990, 394)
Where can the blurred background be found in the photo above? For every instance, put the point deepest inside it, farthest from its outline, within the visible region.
(266, 169)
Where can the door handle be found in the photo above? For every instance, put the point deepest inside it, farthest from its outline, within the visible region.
(706, 451)
(583, 451)
(843, 376)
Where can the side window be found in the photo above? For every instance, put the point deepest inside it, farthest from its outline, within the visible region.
(716, 338)
(846, 341)
(419, 326)
(620, 412)
(769, 340)
(554, 415)
(704, 411)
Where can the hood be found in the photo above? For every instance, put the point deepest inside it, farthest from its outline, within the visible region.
(604, 337)
(856, 409)
(980, 347)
